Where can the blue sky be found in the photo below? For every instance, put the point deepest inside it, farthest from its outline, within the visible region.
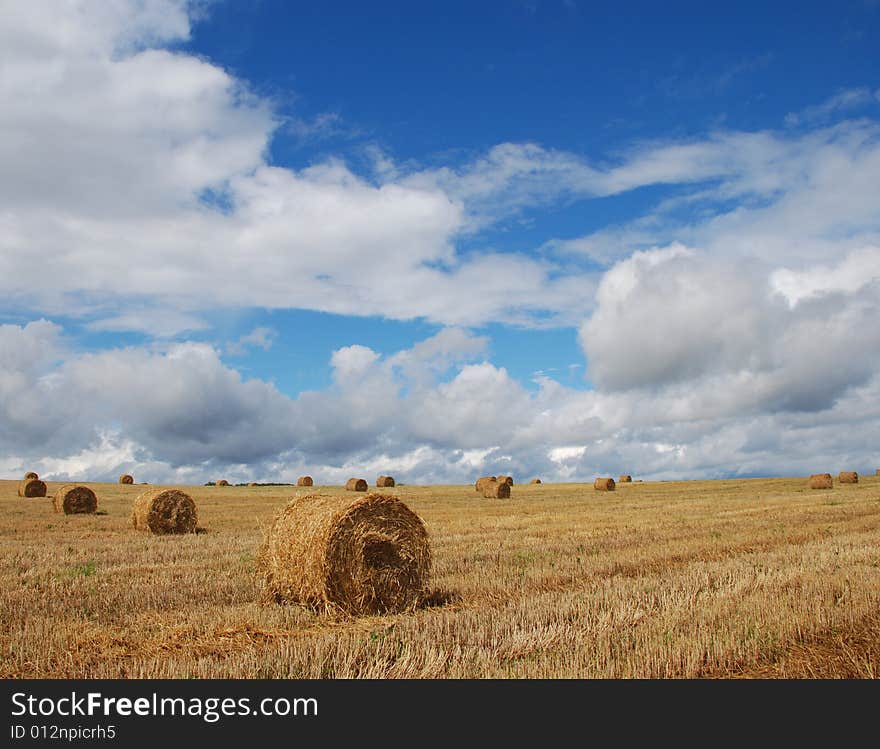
(606, 232)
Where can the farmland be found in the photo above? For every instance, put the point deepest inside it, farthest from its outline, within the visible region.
(734, 578)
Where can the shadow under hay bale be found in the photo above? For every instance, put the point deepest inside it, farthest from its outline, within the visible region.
(821, 481)
(356, 485)
(31, 475)
(164, 511)
(72, 499)
(385, 481)
(355, 555)
(126, 478)
(31, 488)
(604, 484)
(625, 478)
(305, 481)
(848, 477)
(482, 481)
(496, 490)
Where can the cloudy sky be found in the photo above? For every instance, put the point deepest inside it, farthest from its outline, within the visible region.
(549, 238)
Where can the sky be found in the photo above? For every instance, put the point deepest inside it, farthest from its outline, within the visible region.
(254, 240)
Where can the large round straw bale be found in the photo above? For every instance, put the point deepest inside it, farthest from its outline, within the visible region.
(164, 511)
(126, 478)
(505, 480)
(385, 481)
(478, 486)
(625, 478)
(821, 481)
(221, 482)
(604, 484)
(31, 488)
(304, 481)
(496, 490)
(848, 477)
(359, 555)
(356, 485)
(31, 475)
(74, 498)
(535, 481)
(252, 483)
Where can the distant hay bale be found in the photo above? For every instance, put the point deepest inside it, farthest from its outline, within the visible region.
(821, 481)
(75, 498)
(356, 485)
(126, 478)
(478, 486)
(848, 477)
(252, 483)
(535, 481)
(31, 488)
(877, 472)
(304, 481)
(604, 484)
(31, 475)
(221, 482)
(496, 490)
(506, 480)
(163, 511)
(625, 478)
(358, 555)
(385, 481)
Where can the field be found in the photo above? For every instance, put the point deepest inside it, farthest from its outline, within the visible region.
(740, 578)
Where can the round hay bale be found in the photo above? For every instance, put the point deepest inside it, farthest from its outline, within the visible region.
(535, 481)
(31, 488)
(305, 481)
(478, 486)
(496, 490)
(848, 477)
(252, 483)
(221, 482)
(31, 475)
(821, 481)
(163, 511)
(877, 472)
(506, 479)
(385, 481)
(604, 484)
(72, 499)
(625, 478)
(126, 478)
(356, 485)
(364, 555)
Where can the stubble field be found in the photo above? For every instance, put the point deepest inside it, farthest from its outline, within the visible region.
(762, 578)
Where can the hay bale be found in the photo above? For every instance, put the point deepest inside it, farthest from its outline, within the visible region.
(31, 488)
(31, 475)
(304, 481)
(535, 481)
(604, 484)
(385, 481)
(356, 555)
(821, 481)
(625, 478)
(163, 511)
(221, 482)
(126, 478)
(252, 483)
(75, 498)
(356, 485)
(506, 480)
(478, 486)
(848, 477)
(496, 490)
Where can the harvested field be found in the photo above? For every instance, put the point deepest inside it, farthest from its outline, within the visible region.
(736, 578)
